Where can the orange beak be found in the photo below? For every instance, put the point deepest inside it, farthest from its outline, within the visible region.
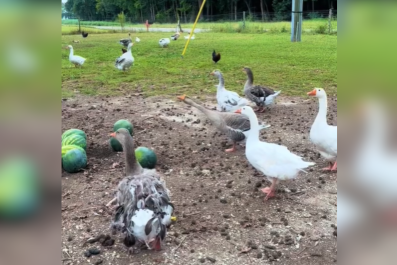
(238, 111)
(312, 93)
(113, 134)
(181, 97)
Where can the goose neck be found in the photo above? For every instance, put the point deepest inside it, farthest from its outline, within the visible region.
(132, 165)
(254, 131)
(322, 110)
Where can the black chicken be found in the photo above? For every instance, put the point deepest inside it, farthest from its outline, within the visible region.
(84, 34)
(216, 57)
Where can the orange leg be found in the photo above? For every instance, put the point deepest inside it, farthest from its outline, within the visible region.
(231, 149)
(270, 191)
(334, 167)
(329, 168)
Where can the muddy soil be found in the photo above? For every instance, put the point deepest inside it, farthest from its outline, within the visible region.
(221, 215)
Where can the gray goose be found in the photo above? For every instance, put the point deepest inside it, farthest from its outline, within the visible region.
(260, 95)
(235, 127)
(126, 41)
(143, 208)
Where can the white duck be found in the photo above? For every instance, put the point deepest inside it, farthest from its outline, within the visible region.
(137, 39)
(324, 136)
(126, 60)
(75, 59)
(187, 37)
(227, 100)
(273, 160)
(164, 42)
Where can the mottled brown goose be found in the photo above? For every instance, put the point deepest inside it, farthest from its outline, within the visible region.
(143, 202)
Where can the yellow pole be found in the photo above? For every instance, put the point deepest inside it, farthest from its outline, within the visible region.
(194, 26)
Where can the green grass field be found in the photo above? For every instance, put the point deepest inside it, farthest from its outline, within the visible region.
(251, 27)
(294, 68)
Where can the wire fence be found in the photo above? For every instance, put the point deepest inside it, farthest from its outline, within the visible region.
(68, 18)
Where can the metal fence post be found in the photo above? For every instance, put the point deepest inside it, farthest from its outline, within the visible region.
(243, 19)
(329, 21)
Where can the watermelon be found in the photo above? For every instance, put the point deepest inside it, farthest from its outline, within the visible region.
(75, 139)
(123, 124)
(146, 157)
(74, 160)
(19, 189)
(67, 148)
(73, 132)
(116, 146)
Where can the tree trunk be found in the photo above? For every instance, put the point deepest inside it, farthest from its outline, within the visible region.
(263, 15)
(235, 11)
(248, 3)
(199, 6)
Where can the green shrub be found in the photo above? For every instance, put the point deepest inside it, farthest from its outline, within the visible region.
(321, 29)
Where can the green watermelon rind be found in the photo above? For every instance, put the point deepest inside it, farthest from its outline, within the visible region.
(66, 148)
(146, 157)
(123, 124)
(73, 132)
(115, 145)
(74, 160)
(75, 140)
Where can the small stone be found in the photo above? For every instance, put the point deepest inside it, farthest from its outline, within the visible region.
(269, 247)
(192, 251)
(287, 211)
(70, 238)
(87, 254)
(223, 200)
(259, 255)
(98, 262)
(258, 184)
(108, 243)
(227, 237)
(226, 216)
(211, 259)
(94, 251)
(315, 254)
(202, 260)
(302, 233)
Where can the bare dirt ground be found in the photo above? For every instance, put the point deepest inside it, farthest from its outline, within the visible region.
(221, 215)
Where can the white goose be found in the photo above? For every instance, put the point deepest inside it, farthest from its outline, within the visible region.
(324, 136)
(375, 164)
(273, 160)
(126, 60)
(75, 59)
(227, 100)
(164, 42)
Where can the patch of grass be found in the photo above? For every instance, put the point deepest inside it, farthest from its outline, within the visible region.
(294, 68)
(74, 30)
